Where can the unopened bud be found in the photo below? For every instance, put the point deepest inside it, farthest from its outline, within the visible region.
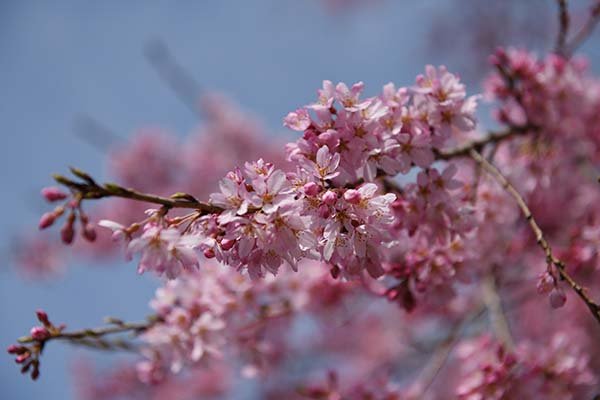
(47, 220)
(42, 317)
(227, 244)
(22, 358)
(89, 233)
(14, 349)
(67, 233)
(352, 196)
(39, 333)
(311, 189)
(53, 194)
(557, 298)
(209, 253)
(545, 284)
(324, 211)
(329, 197)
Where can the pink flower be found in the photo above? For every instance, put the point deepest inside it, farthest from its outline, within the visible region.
(165, 251)
(298, 120)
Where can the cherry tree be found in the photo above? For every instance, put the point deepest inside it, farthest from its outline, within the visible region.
(395, 250)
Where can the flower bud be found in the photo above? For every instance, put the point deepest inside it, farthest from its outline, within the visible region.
(311, 189)
(42, 317)
(545, 284)
(352, 196)
(227, 244)
(53, 194)
(47, 220)
(557, 298)
(15, 349)
(329, 197)
(89, 233)
(324, 211)
(67, 233)
(22, 358)
(39, 333)
(209, 253)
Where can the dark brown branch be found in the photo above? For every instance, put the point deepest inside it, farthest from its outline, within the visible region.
(89, 189)
(539, 236)
(478, 144)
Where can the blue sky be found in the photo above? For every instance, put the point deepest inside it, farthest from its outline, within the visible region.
(66, 58)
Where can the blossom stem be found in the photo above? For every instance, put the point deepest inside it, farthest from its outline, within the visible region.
(541, 240)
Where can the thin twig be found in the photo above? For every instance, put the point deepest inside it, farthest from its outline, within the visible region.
(498, 319)
(177, 78)
(584, 33)
(563, 31)
(477, 144)
(442, 353)
(85, 334)
(89, 189)
(541, 241)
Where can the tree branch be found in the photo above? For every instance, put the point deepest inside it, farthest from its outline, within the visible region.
(584, 33)
(89, 189)
(477, 144)
(563, 21)
(542, 242)
(83, 335)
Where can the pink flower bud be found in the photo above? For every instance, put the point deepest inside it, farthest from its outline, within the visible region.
(209, 253)
(42, 317)
(67, 233)
(329, 197)
(22, 358)
(47, 220)
(14, 349)
(545, 284)
(89, 233)
(39, 333)
(227, 244)
(557, 298)
(352, 196)
(53, 194)
(324, 211)
(397, 205)
(311, 189)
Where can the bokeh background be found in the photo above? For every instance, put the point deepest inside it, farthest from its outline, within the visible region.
(63, 62)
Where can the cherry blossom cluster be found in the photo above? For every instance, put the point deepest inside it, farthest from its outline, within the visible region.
(527, 372)
(385, 134)
(216, 314)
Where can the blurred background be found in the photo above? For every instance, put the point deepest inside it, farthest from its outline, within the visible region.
(79, 76)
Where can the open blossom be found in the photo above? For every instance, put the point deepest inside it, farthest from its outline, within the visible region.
(165, 251)
(557, 371)
(192, 311)
(386, 133)
(326, 164)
